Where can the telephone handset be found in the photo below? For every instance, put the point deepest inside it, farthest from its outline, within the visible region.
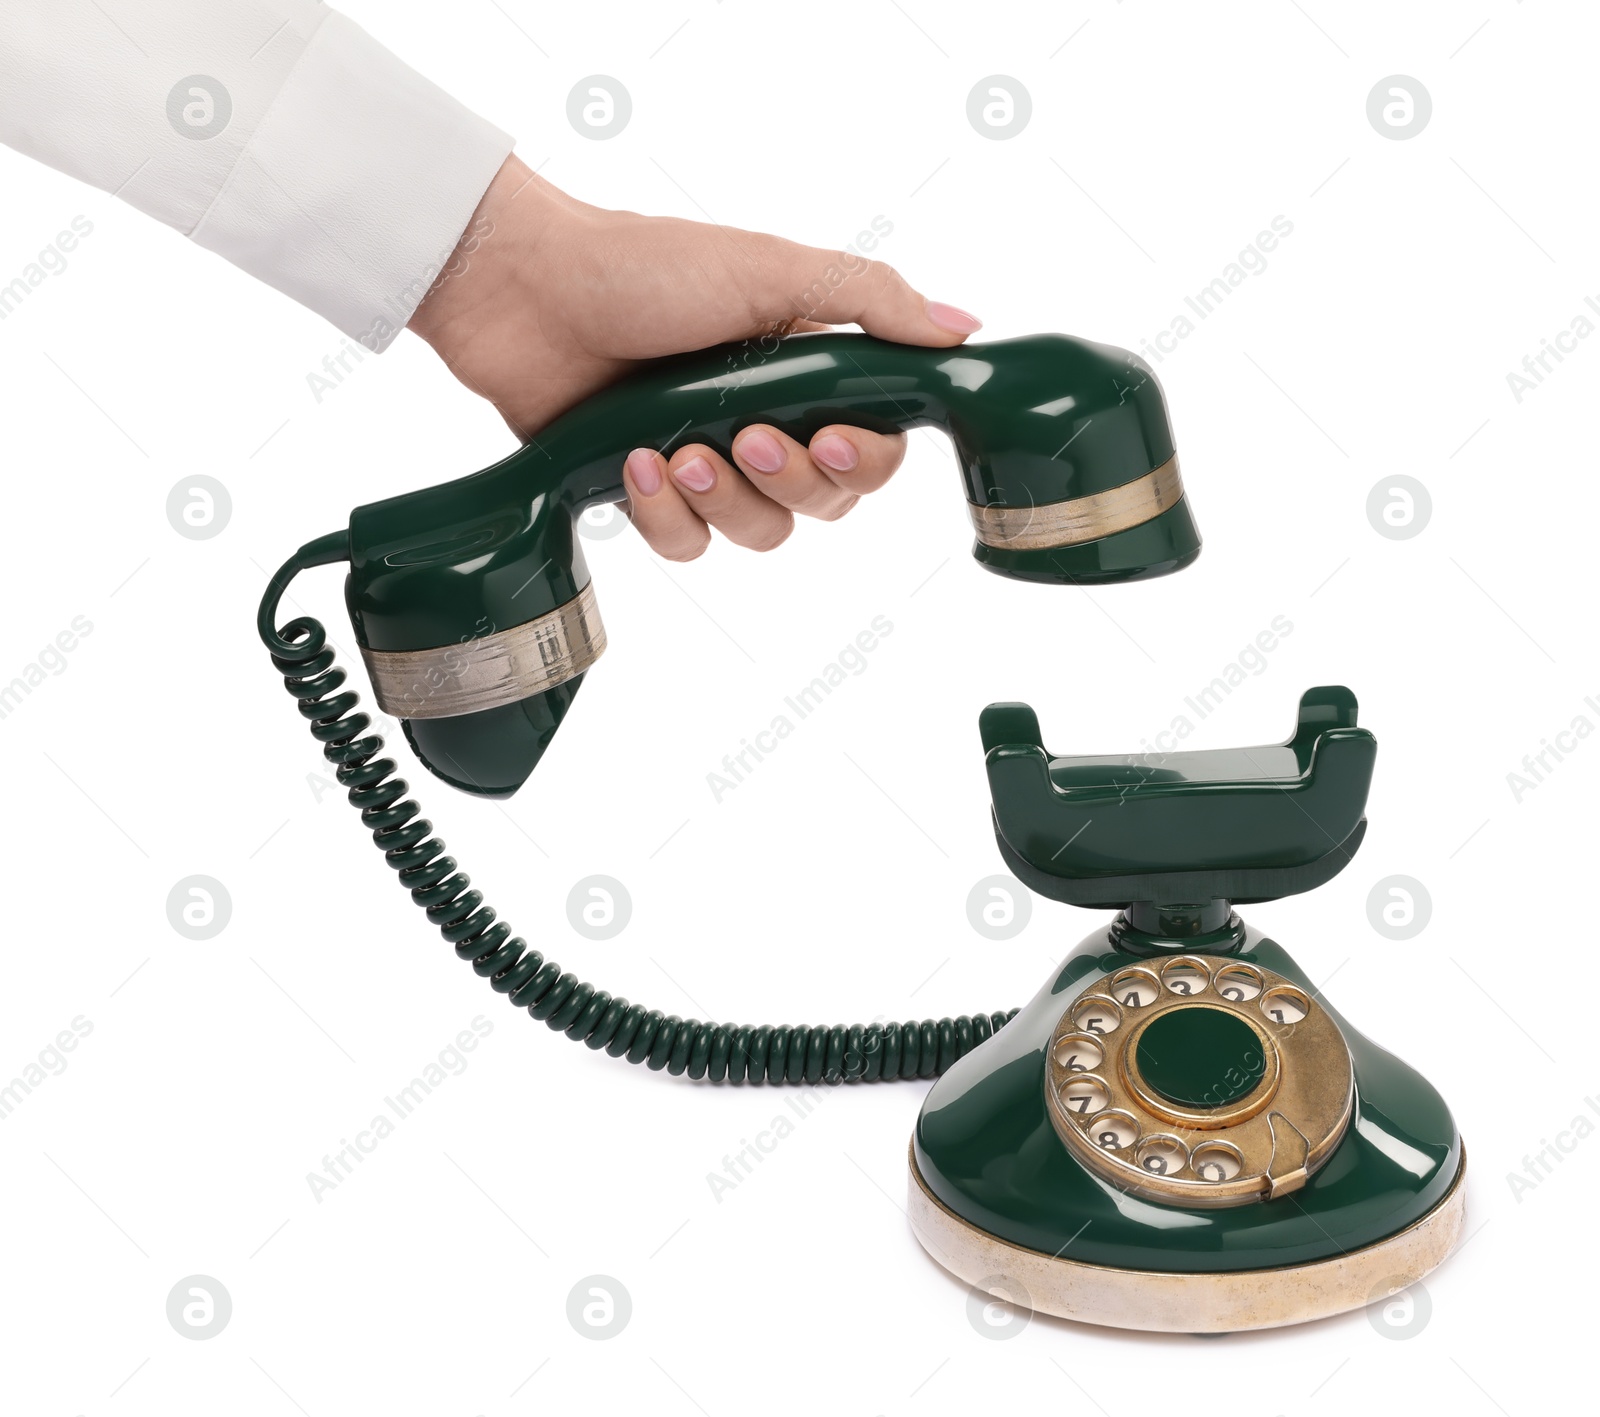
(471, 600)
(1120, 1149)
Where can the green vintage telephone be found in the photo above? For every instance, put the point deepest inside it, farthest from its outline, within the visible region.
(1178, 1132)
(1177, 1108)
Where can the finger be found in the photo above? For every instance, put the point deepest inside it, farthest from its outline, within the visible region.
(856, 460)
(655, 507)
(787, 281)
(717, 492)
(801, 480)
(780, 468)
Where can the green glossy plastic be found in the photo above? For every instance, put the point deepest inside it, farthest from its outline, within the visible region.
(490, 753)
(1178, 838)
(1032, 420)
(1268, 809)
(986, 1148)
(1200, 1057)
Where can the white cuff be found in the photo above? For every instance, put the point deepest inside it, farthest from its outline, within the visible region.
(355, 185)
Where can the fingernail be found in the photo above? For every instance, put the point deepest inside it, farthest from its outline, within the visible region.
(644, 471)
(696, 475)
(834, 452)
(947, 317)
(761, 451)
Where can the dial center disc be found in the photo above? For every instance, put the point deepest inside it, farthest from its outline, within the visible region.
(1200, 1056)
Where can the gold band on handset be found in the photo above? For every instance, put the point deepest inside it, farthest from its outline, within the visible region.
(1079, 519)
(500, 667)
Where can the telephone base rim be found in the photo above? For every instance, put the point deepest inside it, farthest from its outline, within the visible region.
(1167, 1302)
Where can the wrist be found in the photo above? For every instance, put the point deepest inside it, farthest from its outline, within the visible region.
(492, 255)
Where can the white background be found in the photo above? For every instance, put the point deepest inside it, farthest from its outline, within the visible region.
(832, 885)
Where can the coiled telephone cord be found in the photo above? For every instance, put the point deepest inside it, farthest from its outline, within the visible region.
(766, 1053)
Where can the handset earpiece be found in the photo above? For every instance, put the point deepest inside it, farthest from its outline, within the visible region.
(472, 602)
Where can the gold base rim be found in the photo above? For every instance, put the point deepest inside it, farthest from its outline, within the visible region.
(1159, 1301)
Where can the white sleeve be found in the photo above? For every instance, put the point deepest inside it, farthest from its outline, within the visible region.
(276, 133)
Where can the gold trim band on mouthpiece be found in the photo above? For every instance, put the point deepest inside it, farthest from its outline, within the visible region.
(493, 669)
(1080, 519)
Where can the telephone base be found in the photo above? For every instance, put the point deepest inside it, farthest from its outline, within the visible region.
(1190, 1141)
(1166, 1302)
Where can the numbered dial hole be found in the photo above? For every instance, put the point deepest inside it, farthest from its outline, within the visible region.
(1083, 1096)
(1285, 1005)
(1096, 1015)
(1216, 1161)
(1112, 1131)
(1161, 1156)
(1184, 977)
(1136, 989)
(1079, 1053)
(1239, 983)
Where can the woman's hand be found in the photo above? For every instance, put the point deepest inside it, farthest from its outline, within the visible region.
(548, 300)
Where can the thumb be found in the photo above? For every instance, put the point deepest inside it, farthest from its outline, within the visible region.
(843, 288)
